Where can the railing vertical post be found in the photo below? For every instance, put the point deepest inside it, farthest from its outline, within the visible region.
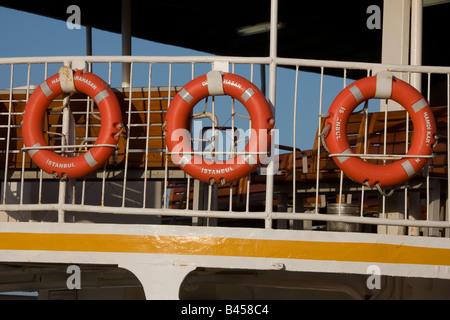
(272, 96)
(8, 135)
(416, 41)
(126, 41)
(64, 138)
(395, 41)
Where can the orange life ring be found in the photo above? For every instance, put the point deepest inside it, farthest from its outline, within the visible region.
(111, 124)
(179, 114)
(381, 86)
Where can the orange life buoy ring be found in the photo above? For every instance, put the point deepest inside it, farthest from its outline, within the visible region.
(179, 113)
(381, 86)
(111, 124)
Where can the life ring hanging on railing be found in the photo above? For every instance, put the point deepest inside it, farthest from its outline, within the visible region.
(177, 123)
(381, 86)
(111, 123)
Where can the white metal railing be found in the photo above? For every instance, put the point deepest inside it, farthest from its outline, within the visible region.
(128, 190)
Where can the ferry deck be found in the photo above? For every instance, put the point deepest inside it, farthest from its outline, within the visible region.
(295, 227)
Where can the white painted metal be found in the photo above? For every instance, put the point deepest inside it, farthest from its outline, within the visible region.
(416, 41)
(150, 276)
(272, 98)
(396, 26)
(180, 265)
(396, 35)
(126, 41)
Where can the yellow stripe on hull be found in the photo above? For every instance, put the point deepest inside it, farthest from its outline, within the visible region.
(222, 246)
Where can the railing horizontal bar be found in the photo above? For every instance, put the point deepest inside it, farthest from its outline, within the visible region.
(137, 210)
(215, 152)
(243, 60)
(226, 214)
(135, 59)
(380, 156)
(70, 146)
(362, 220)
(361, 65)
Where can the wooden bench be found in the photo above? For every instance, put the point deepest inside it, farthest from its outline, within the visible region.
(308, 162)
(308, 168)
(327, 169)
(178, 197)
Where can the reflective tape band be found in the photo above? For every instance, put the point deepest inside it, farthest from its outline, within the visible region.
(250, 160)
(185, 160)
(419, 105)
(344, 158)
(356, 93)
(215, 83)
(90, 159)
(247, 94)
(32, 152)
(46, 89)
(408, 168)
(100, 96)
(186, 96)
(384, 86)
